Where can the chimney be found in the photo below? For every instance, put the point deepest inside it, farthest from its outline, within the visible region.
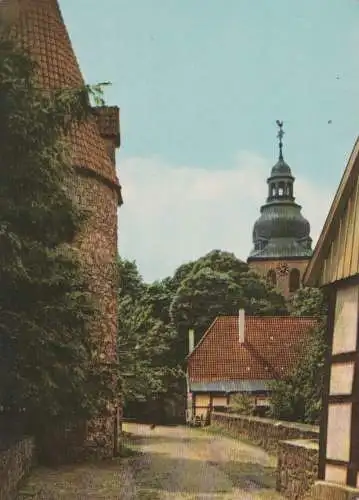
(241, 326)
(190, 340)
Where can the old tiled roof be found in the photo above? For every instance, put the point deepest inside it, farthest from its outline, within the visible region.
(39, 25)
(271, 349)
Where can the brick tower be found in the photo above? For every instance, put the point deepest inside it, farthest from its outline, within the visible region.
(281, 235)
(39, 26)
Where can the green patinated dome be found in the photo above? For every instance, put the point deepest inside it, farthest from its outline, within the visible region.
(281, 230)
(281, 221)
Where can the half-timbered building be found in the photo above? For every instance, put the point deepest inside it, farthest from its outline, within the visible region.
(242, 355)
(335, 267)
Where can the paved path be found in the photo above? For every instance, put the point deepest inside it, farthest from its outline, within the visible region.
(173, 463)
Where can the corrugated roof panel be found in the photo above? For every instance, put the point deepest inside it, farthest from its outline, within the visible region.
(230, 386)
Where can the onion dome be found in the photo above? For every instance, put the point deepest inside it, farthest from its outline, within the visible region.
(281, 230)
(281, 168)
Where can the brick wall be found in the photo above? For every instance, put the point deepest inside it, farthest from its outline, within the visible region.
(263, 266)
(263, 432)
(297, 468)
(16, 459)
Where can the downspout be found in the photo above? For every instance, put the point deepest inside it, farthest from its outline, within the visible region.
(189, 400)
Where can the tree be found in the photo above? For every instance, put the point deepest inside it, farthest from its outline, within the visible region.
(143, 339)
(47, 356)
(142, 343)
(308, 301)
(242, 403)
(131, 282)
(219, 284)
(299, 396)
(158, 296)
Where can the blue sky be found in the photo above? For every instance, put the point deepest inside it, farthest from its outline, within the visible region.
(200, 84)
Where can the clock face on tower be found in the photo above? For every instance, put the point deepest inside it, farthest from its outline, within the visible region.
(282, 269)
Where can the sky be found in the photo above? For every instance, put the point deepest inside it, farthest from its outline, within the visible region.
(200, 84)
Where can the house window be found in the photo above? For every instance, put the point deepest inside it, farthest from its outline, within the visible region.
(272, 278)
(294, 280)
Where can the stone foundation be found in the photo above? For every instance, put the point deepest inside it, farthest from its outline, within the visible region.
(263, 432)
(16, 460)
(328, 491)
(297, 468)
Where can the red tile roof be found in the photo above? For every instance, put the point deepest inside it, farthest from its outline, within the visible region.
(39, 26)
(271, 348)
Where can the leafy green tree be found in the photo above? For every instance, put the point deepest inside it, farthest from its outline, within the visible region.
(142, 343)
(219, 284)
(299, 396)
(143, 339)
(308, 302)
(242, 403)
(130, 280)
(47, 358)
(180, 274)
(158, 296)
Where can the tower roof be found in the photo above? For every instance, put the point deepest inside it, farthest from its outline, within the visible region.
(281, 231)
(281, 168)
(39, 26)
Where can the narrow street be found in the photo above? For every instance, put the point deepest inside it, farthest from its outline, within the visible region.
(168, 463)
(184, 463)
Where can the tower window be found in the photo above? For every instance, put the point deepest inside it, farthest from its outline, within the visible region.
(294, 280)
(281, 189)
(272, 278)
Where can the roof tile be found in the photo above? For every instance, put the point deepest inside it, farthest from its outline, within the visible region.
(39, 25)
(271, 348)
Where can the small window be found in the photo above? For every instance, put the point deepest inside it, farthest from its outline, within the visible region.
(294, 280)
(272, 278)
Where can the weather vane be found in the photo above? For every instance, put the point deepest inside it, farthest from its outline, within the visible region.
(280, 137)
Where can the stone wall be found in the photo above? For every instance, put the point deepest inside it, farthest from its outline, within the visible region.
(16, 459)
(263, 432)
(297, 468)
(323, 490)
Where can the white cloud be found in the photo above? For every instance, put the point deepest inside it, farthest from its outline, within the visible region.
(175, 214)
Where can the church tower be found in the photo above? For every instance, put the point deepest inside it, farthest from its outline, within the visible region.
(282, 245)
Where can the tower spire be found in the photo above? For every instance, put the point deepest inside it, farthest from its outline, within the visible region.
(280, 137)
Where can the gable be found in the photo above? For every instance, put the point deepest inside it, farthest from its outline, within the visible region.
(336, 255)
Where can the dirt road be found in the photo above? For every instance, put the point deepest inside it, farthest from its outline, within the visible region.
(181, 463)
(169, 463)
